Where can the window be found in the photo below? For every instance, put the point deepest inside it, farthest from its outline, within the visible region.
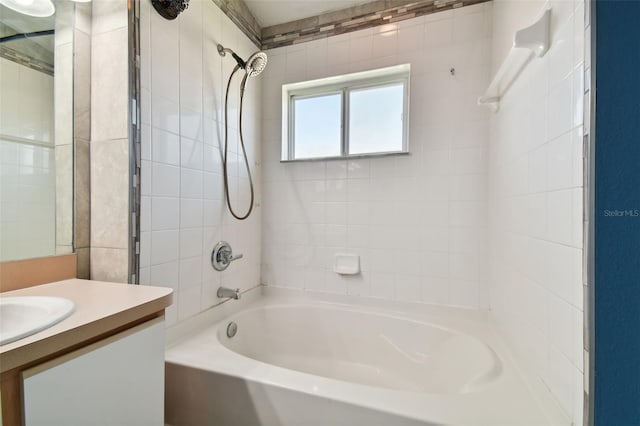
(318, 120)
(353, 115)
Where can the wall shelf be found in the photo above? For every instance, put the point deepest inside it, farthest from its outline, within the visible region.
(527, 43)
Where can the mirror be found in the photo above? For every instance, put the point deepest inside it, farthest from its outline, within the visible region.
(36, 131)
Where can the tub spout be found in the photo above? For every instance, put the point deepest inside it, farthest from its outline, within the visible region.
(229, 292)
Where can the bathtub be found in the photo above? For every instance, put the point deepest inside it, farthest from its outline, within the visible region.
(304, 359)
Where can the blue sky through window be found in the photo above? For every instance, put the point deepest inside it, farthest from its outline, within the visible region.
(318, 126)
(375, 119)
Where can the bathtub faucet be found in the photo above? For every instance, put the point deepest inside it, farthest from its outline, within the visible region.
(229, 292)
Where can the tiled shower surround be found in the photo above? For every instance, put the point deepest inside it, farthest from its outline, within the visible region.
(485, 211)
(535, 201)
(478, 215)
(417, 221)
(183, 212)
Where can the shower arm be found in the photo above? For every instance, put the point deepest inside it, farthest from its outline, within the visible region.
(223, 52)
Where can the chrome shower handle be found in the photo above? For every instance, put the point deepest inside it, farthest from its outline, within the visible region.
(222, 256)
(230, 257)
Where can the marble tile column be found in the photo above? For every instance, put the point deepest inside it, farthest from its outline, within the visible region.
(63, 128)
(109, 146)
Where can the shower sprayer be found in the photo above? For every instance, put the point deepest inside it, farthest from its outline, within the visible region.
(252, 68)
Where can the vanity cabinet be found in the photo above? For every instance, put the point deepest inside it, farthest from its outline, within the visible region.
(115, 381)
(103, 365)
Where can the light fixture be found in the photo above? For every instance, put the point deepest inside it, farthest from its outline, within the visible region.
(36, 8)
(82, 1)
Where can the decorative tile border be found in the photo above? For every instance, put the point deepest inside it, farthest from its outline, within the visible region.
(356, 18)
(25, 60)
(240, 14)
(368, 15)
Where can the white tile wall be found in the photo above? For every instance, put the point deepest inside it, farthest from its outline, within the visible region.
(27, 102)
(27, 200)
(183, 209)
(27, 171)
(417, 221)
(535, 201)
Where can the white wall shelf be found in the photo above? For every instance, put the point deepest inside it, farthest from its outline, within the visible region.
(527, 43)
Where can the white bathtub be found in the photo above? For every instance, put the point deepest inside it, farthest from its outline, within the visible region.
(300, 359)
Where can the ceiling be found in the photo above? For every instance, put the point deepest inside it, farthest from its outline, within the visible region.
(273, 12)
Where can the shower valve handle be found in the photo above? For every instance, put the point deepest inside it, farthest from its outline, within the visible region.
(222, 256)
(230, 257)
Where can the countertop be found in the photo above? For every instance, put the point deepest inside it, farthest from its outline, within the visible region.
(101, 308)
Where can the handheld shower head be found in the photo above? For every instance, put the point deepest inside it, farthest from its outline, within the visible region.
(256, 64)
(253, 66)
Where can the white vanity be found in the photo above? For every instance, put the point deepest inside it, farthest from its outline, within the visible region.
(103, 364)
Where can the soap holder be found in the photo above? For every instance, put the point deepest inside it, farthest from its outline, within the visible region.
(347, 264)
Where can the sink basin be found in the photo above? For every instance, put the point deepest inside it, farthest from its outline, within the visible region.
(23, 316)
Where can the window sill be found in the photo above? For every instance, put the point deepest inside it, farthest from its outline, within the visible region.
(348, 157)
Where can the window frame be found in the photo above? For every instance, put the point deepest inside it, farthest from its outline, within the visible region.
(343, 85)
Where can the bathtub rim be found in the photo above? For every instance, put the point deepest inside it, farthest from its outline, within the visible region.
(184, 328)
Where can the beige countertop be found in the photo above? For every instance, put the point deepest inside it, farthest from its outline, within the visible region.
(101, 308)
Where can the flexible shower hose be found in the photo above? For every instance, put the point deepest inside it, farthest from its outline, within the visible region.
(226, 146)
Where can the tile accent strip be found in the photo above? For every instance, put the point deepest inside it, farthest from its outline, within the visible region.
(240, 14)
(356, 18)
(25, 60)
(368, 15)
(135, 142)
